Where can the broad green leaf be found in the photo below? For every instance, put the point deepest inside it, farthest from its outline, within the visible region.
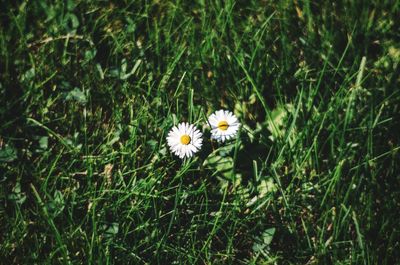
(8, 154)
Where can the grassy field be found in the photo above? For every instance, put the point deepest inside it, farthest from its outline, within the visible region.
(90, 89)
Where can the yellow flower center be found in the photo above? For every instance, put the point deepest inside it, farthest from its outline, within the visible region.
(185, 139)
(223, 125)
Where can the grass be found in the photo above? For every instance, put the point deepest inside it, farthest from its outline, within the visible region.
(89, 90)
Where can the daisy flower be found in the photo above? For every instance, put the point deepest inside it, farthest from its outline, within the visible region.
(184, 140)
(224, 125)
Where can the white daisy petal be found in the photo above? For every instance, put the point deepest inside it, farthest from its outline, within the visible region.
(213, 121)
(224, 125)
(231, 119)
(184, 140)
